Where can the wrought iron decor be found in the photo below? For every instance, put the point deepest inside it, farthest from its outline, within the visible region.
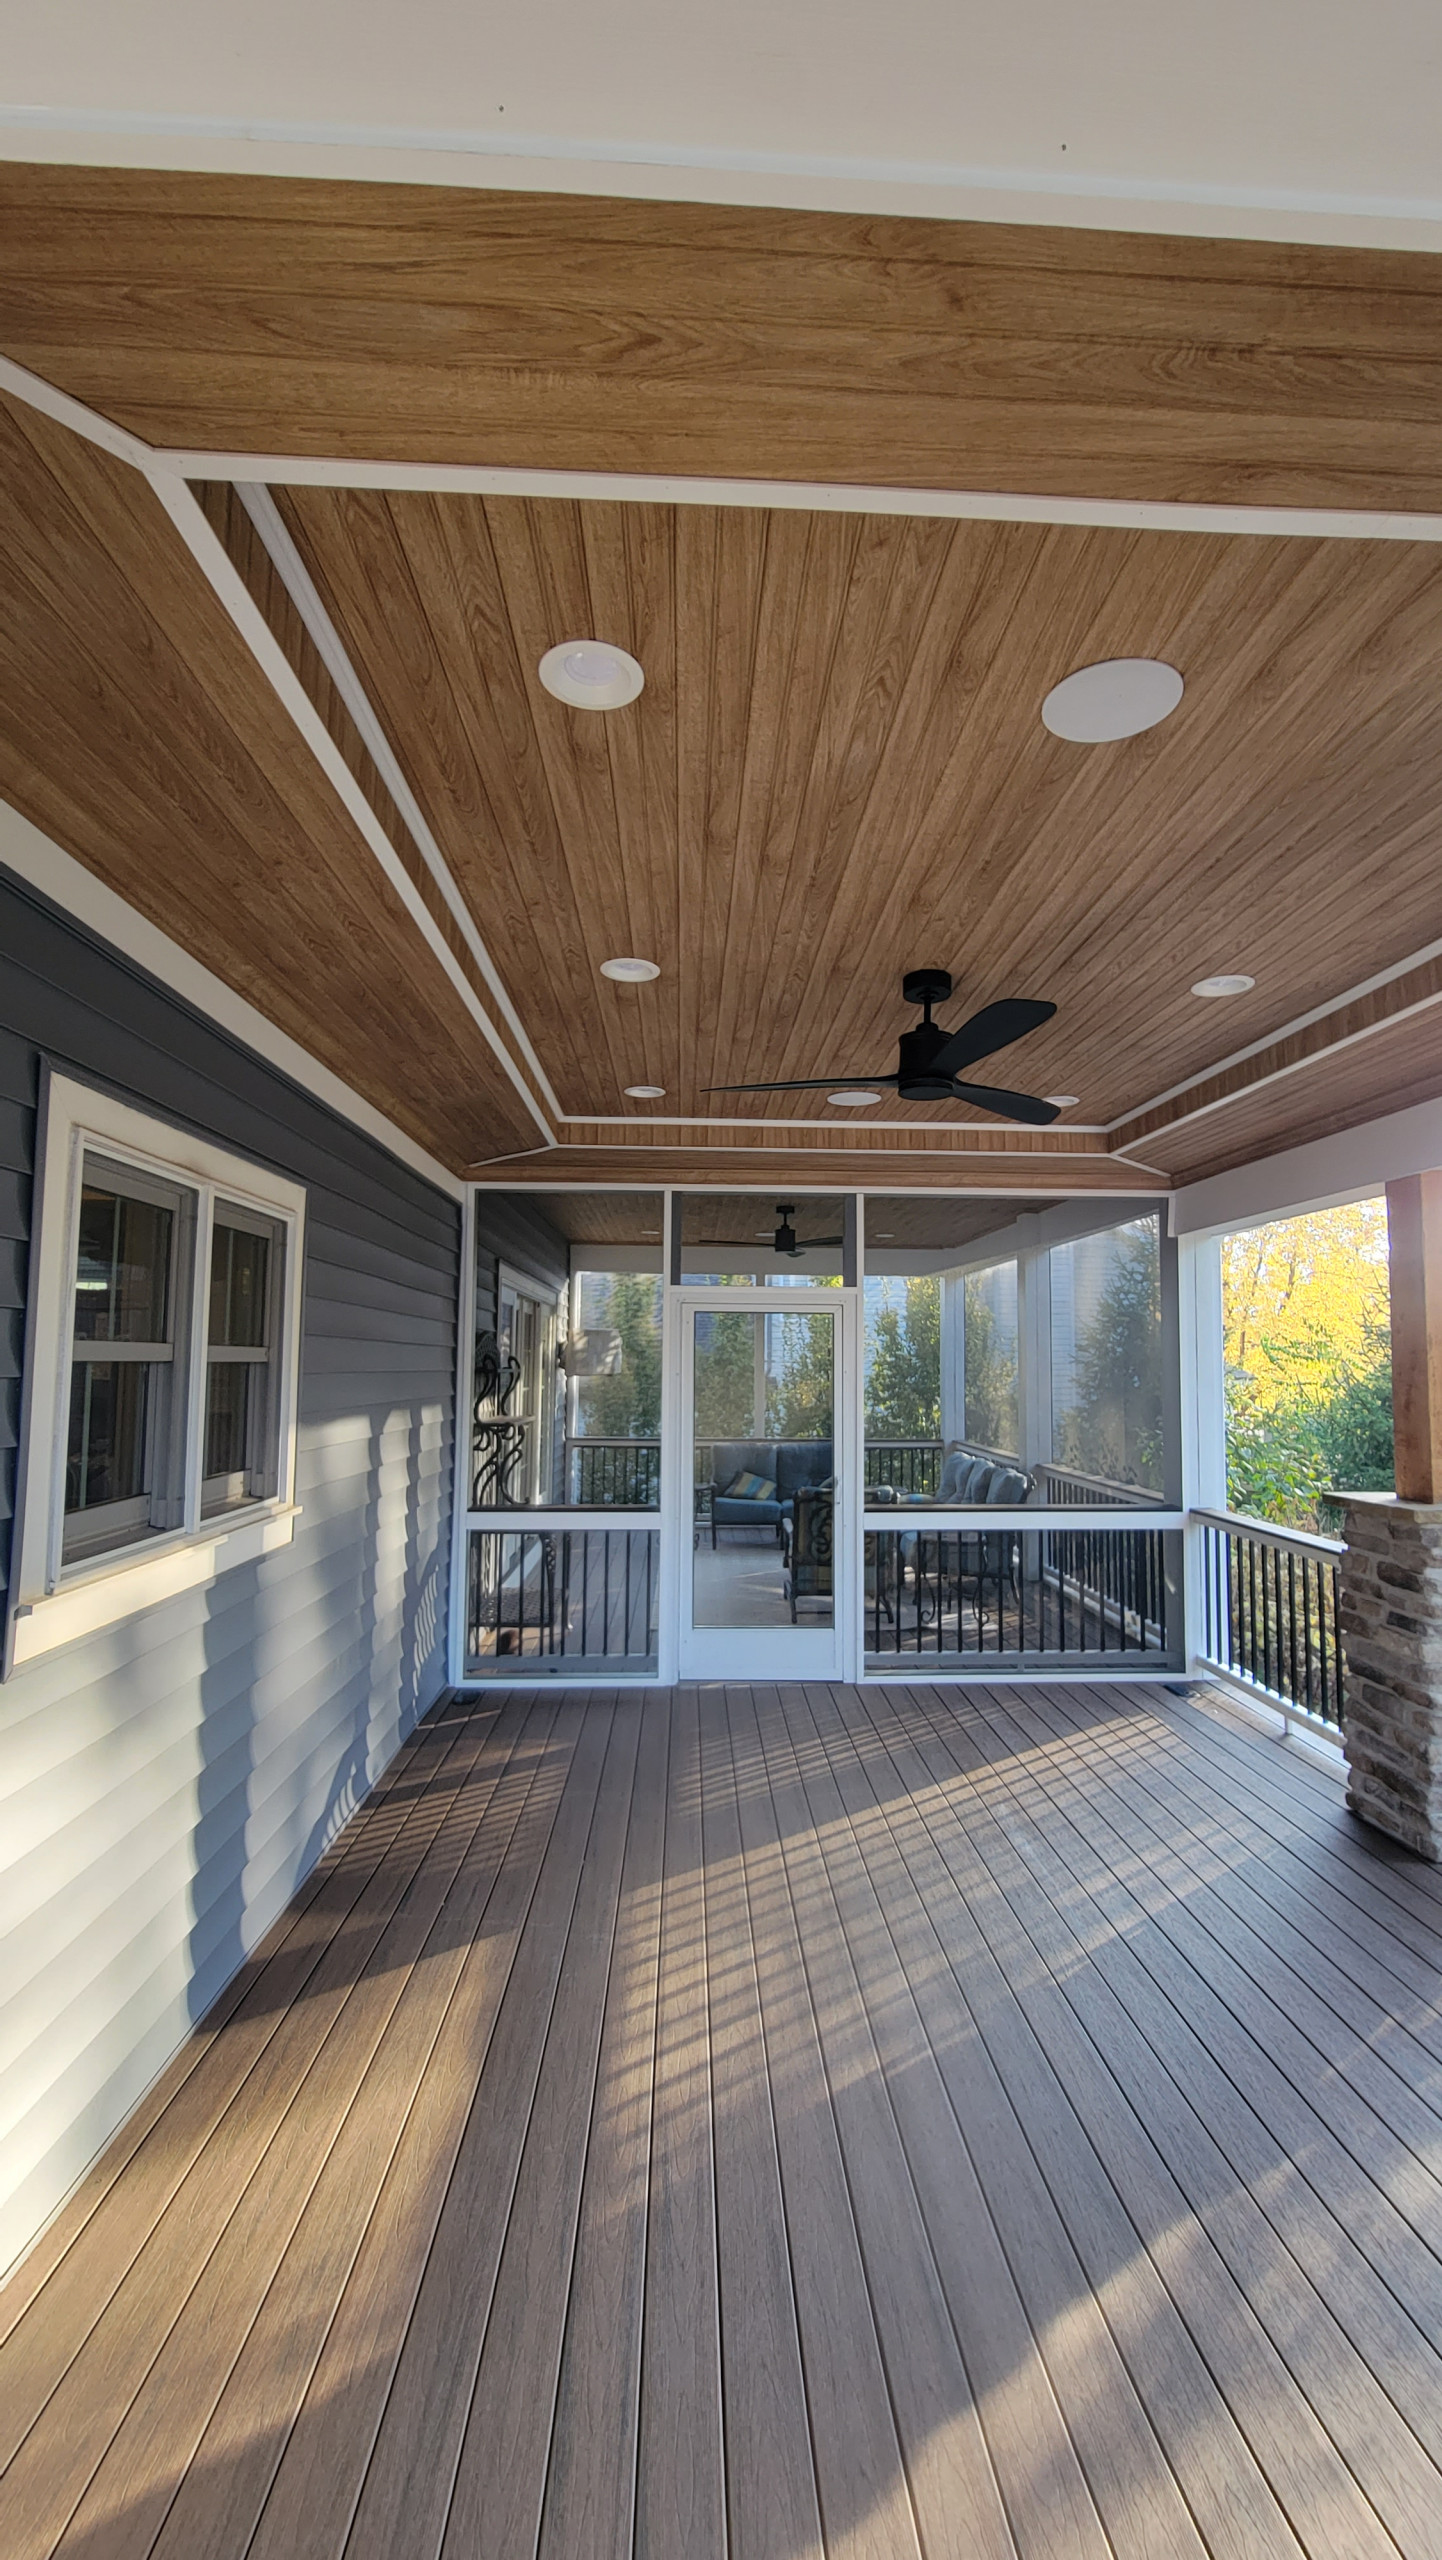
(498, 1436)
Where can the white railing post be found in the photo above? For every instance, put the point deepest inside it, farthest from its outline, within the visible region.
(1203, 1418)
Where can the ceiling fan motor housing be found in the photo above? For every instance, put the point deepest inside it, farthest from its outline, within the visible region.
(915, 1081)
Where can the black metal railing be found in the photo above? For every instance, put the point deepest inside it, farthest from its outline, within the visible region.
(1269, 1611)
(1042, 1595)
(620, 1475)
(562, 1599)
(911, 1466)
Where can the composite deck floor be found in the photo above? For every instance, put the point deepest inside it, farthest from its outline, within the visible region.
(779, 2123)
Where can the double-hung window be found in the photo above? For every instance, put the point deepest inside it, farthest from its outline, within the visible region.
(161, 1379)
(124, 1456)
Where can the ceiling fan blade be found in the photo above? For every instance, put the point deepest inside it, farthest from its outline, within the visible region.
(1008, 1106)
(800, 1084)
(995, 1027)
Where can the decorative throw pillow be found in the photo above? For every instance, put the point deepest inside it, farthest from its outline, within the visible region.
(745, 1487)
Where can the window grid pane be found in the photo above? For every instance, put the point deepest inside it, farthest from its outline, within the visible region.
(239, 1287)
(109, 1410)
(122, 1282)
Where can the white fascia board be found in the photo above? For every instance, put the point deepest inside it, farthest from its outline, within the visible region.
(43, 865)
(1326, 1173)
(1089, 1214)
(617, 1257)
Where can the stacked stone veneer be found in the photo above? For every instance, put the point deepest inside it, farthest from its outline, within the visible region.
(1391, 1627)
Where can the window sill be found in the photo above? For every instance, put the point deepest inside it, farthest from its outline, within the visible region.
(103, 1594)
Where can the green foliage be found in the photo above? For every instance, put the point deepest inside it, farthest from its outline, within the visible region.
(903, 1364)
(800, 1394)
(1313, 1423)
(1114, 1426)
(726, 1376)
(628, 1405)
(991, 1409)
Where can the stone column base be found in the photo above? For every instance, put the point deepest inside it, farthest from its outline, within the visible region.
(1391, 1629)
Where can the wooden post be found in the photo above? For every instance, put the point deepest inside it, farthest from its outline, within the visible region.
(1414, 1237)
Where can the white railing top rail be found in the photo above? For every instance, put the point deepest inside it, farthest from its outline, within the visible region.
(970, 1518)
(584, 1519)
(617, 1440)
(1265, 1533)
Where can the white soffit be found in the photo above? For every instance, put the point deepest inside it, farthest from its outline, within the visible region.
(1282, 119)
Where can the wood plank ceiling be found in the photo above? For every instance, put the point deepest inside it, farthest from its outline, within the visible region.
(837, 768)
(437, 324)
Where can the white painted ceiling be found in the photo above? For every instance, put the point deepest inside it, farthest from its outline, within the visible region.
(1303, 119)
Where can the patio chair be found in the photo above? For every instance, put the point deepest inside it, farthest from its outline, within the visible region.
(808, 1544)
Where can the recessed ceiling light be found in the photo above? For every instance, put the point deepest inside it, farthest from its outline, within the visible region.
(630, 972)
(646, 1092)
(1116, 699)
(1224, 985)
(591, 674)
(884, 1235)
(854, 1101)
(1063, 1101)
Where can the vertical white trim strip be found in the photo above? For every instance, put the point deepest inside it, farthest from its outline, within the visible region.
(460, 1496)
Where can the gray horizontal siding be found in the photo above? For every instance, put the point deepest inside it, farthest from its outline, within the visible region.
(166, 1785)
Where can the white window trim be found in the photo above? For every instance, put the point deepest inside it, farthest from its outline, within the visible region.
(51, 1602)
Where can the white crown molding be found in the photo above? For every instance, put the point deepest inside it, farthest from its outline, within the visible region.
(651, 169)
(813, 497)
(43, 865)
(853, 1120)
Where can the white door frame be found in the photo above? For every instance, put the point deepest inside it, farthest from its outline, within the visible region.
(764, 1653)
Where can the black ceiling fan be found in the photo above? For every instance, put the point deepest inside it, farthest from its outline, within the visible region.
(929, 1059)
(785, 1239)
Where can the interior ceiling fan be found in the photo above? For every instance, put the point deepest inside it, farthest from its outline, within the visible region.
(930, 1060)
(786, 1240)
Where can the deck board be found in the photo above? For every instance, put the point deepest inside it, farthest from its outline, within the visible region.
(763, 2123)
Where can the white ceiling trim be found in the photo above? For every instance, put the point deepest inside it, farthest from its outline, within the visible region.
(212, 558)
(37, 393)
(1293, 1067)
(168, 471)
(834, 1128)
(300, 586)
(1300, 1022)
(646, 167)
(824, 497)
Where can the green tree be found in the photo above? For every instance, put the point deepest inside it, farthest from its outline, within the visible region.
(801, 1387)
(726, 1376)
(991, 1412)
(1114, 1427)
(627, 1405)
(903, 1365)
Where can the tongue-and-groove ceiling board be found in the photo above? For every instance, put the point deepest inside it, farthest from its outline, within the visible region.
(589, 333)
(838, 769)
(139, 732)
